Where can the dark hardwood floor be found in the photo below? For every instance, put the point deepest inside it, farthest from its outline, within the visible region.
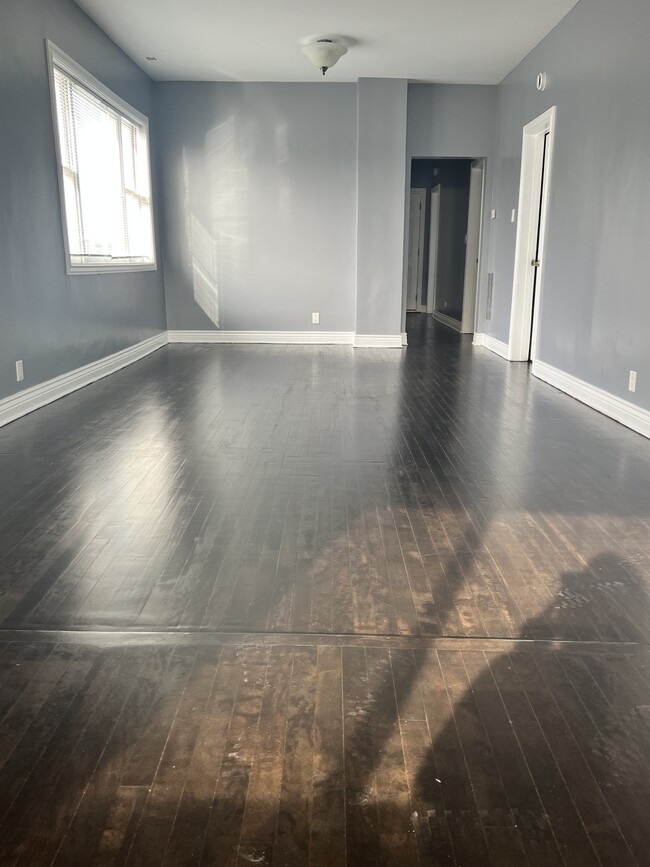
(288, 605)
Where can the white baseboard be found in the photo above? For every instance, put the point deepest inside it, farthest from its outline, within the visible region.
(447, 320)
(492, 344)
(26, 401)
(405, 340)
(300, 337)
(378, 341)
(620, 410)
(348, 338)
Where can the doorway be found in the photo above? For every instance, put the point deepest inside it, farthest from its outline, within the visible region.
(473, 245)
(444, 239)
(534, 185)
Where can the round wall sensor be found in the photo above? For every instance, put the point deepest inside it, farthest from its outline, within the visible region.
(541, 81)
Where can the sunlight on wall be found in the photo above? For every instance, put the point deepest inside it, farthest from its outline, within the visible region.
(216, 217)
(204, 270)
(229, 192)
(203, 255)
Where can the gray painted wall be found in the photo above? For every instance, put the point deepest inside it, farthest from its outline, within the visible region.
(451, 120)
(595, 308)
(382, 184)
(53, 322)
(259, 205)
(454, 120)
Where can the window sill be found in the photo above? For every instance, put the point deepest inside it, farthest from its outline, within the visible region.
(78, 270)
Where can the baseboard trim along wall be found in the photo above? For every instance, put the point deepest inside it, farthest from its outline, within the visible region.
(347, 338)
(299, 337)
(620, 410)
(17, 405)
(492, 344)
(378, 341)
(447, 320)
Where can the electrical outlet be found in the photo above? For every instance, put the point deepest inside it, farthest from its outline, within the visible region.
(632, 381)
(513, 215)
(20, 373)
(493, 214)
(315, 318)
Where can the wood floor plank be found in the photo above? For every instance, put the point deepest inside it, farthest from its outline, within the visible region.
(526, 807)
(327, 841)
(446, 766)
(395, 807)
(19, 763)
(592, 730)
(163, 694)
(101, 799)
(307, 605)
(497, 821)
(229, 802)
(292, 836)
(599, 822)
(361, 807)
(167, 786)
(260, 821)
(71, 755)
(187, 837)
(568, 829)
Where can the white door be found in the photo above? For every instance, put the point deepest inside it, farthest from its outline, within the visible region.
(472, 249)
(527, 289)
(433, 248)
(416, 232)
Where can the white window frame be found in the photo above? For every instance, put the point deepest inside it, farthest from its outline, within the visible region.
(58, 58)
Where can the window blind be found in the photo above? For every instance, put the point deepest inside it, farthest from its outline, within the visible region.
(106, 179)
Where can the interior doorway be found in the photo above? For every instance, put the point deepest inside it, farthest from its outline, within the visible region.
(473, 245)
(534, 185)
(444, 239)
(417, 215)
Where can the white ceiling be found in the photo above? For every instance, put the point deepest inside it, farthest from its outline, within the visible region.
(462, 41)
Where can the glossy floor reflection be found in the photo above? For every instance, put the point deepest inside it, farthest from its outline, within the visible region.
(315, 605)
(329, 490)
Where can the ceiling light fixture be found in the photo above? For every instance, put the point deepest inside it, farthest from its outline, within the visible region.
(324, 53)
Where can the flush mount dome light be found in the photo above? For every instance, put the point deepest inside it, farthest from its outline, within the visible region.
(324, 53)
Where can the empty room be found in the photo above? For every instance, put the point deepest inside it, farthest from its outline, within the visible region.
(324, 433)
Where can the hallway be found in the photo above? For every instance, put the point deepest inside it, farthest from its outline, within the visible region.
(308, 605)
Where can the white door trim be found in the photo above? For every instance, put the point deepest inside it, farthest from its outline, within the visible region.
(421, 193)
(473, 248)
(524, 319)
(433, 248)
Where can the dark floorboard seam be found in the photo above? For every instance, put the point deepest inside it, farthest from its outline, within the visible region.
(168, 637)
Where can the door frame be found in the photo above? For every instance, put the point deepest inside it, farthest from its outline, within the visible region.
(532, 214)
(421, 192)
(434, 224)
(474, 227)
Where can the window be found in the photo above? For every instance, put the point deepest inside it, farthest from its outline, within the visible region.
(104, 174)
